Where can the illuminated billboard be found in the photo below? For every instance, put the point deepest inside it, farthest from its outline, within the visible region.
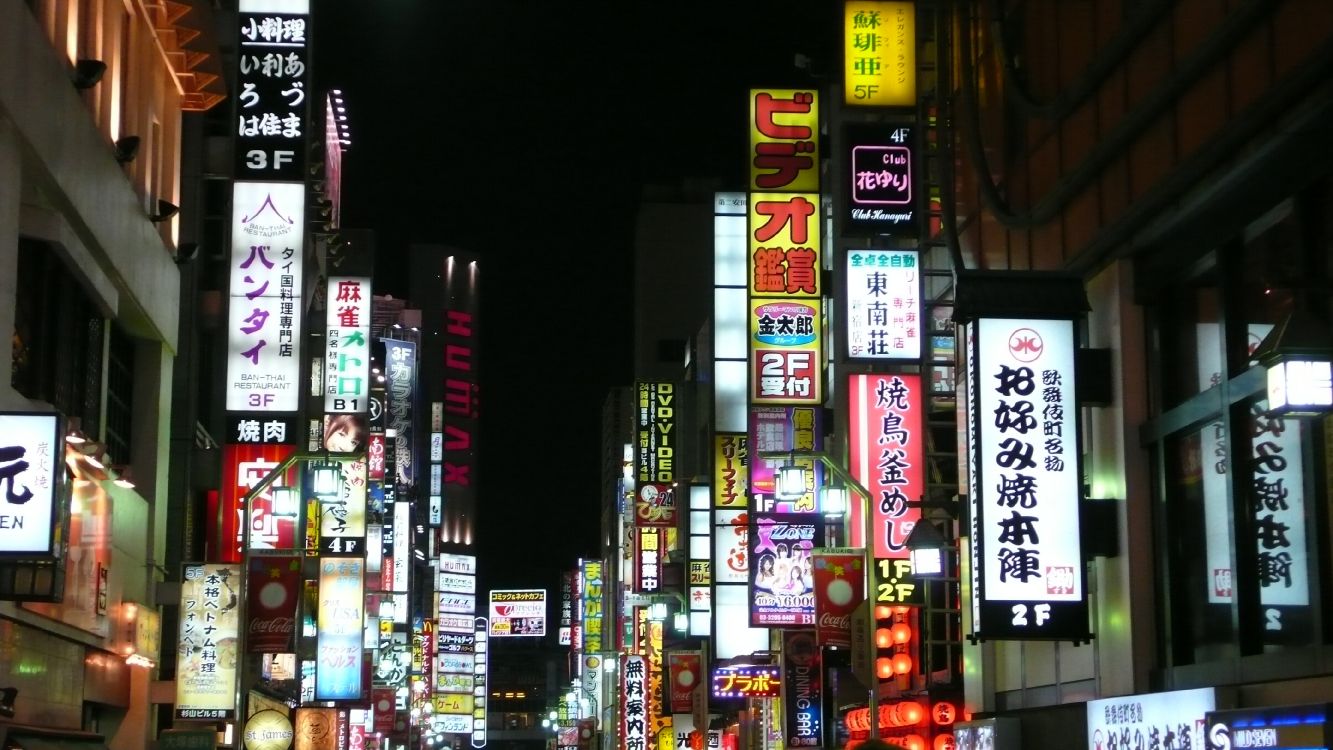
(879, 53)
(883, 305)
(518, 612)
(731, 470)
(781, 574)
(340, 624)
(1025, 482)
(264, 317)
(32, 465)
(746, 681)
(347, 354)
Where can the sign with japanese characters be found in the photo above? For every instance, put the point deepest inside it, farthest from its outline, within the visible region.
(32, 463)
(264, 317)
(342, 516)
(731, 553)
(262, 429)
(1025, 484)
(883, 313)
(591, 596)
(633, 703)
(879, 54)
(731, 470)
(785, 428)
(746, 681)
(888, 453)
(340, 624)
(655, 463)
(400, 385)
(784, 245)
(347, 348)
(517, 612)
(1172, 719)
(784, 141)
(272, 78)
(206, 651)
(786, 356)
(781, 576)
(882, 192)
(272, 518)
(649, 555)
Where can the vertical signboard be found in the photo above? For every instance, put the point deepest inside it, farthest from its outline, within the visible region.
(656, 455)
(272, 523)
(649, 554)
(783, 248)
(840, 586)
(1027, 559)
(888, 451)
(883, 305)
(480, 673)
(273, 70)
(272, 591)
(461, 406)
(206, 649)
(785, 428)
(879, 53)
(591, 598)
(347, 356)
(400, 387)
(264, 318)
(340, 623)
(731, 470)
(633, 734)
(781, 575)
(32, 464)
(802, 688)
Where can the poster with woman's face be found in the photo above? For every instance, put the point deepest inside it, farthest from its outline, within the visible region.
(781, 577)
(345, 433)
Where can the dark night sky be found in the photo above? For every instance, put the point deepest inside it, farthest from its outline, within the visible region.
(523, 131)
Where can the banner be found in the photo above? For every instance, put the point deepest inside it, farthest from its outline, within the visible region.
(840, 585)
(802, 688)
(400, 386)
(272, 591)
(206, 651)
(685, 669)
(633, 703)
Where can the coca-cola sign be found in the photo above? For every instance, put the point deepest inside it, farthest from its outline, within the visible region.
(840, 585)
(272, 592)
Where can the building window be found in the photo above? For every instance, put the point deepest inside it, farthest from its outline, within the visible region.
(1242, 513)
(57, 338)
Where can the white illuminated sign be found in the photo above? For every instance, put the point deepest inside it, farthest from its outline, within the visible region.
(31, 464)
(1300, 385)
(1129, 721)
(1027, 482)
(347, 346)
(264, 316)
(518, 612)
(883, 305)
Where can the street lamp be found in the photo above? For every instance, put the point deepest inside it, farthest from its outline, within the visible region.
(791, 480)
(927, 547)
(1298, 357)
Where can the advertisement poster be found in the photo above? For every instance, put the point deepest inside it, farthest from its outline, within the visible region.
(840, 586)
(782, 576)
(518, 612)
(785, 428)
(206, 651)
(685, 670)
(340, 625)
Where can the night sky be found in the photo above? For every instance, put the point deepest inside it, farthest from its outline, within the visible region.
(523, 131)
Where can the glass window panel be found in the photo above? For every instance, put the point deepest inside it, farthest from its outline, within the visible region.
(1281, 534)
(1200, 586)
(1191, 345)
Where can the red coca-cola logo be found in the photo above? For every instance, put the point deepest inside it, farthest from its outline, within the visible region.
(842, 622)
(276, 625)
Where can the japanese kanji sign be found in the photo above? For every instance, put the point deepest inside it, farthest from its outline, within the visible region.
(657, 437)
(1027, 561)
(341, 599)
(347, 346)
(31, 467)
(784, 141)
(881, 190)
(633, 703)
(731, 470)
(401, 377)
(786, 357)
(785, 428)
(271, 82)
(264, 319)
(784, 245)
(272, 527)
(591, 594)
(207, 651)
(1154, 720)
(879, 54)
(888, 452)
(883, 320)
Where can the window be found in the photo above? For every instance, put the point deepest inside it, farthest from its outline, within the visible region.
(1242, 514)
(57, 337)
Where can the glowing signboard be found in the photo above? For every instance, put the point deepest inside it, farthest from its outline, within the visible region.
(879, 54)
(745, 681)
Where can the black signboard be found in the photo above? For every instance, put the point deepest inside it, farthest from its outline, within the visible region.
(882, 188)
